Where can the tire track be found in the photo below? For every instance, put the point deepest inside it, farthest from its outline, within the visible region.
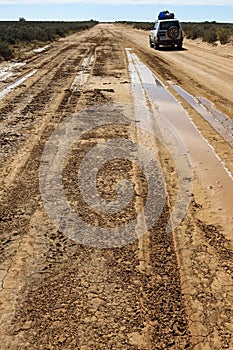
(20, 204)
(203, 253)
(39, 82)
(33, 108)
(69, 296)
(157, 251)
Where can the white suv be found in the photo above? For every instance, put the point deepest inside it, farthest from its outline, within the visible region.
(166, 32)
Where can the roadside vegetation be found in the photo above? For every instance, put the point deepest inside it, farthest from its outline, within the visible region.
(207, 31)
(14, 35)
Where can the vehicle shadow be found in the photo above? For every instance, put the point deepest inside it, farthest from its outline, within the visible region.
(165, 48)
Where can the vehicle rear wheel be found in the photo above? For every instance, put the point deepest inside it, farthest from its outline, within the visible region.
(179, 46)
(151, 44)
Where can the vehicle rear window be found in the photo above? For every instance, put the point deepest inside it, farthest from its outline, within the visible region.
(167, 25)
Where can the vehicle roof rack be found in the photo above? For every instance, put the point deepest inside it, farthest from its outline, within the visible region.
(166, 15)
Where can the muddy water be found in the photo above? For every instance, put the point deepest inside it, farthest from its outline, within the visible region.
(41, 49)
(219, 121)
(14, 85)
(212, 172)
(9, 69)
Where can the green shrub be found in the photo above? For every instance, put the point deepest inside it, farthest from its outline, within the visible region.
(5, 51)
(193, 33)
(208, 31)
(224, 37)
(210, 36)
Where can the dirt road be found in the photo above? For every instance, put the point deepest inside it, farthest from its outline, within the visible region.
(129, 245)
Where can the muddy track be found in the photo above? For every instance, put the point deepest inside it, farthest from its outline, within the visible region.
(27, 105)
(160, 291)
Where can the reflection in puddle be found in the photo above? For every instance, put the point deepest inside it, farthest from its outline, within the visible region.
(219, 121)
(211, 170)
(162, 131)
(14, 85)
(41, 49)
(9, 69)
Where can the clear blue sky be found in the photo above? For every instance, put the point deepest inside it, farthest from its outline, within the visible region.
(112, 10)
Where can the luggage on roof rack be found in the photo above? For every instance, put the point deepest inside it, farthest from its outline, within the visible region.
(166, 15)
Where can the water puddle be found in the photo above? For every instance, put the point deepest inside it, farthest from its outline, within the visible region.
(211, 170)
(14, 85)
(150, 119)
(9, 69)
(82, 77)
(41, 49)
(219, 121)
